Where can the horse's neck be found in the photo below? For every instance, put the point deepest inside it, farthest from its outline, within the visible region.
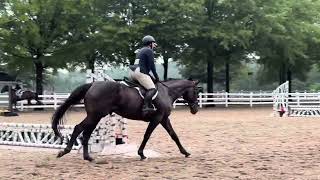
(176, 89)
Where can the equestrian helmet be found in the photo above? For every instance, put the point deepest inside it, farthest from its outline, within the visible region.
(147, 40)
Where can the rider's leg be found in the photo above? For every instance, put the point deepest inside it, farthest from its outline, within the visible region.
(146, 82)
(147, 102)
(132, 75)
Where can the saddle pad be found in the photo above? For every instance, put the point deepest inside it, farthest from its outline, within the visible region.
(19, 92)
(141, 92)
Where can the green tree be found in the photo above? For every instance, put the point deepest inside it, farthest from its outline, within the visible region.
(222, 30)
(35, 32)
(107, 36)
(170, 22)
(284, 34)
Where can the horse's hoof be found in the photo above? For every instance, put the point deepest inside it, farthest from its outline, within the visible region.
(142, 157)
(60, 154)
(187, 155)
(88, 158)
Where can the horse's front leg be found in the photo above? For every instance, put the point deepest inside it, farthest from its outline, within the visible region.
(168, 127)
(15, 105)
(152, 125)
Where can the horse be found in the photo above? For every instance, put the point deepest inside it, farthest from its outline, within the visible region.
(102, 98)
(17, 94)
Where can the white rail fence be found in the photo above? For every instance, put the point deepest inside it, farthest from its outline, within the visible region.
(226, 99)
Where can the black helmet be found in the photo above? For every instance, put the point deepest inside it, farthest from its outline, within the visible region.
(148, 40)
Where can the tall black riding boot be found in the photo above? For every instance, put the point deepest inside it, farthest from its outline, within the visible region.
(147, 103)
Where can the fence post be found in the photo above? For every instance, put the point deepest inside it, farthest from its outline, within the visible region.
(200, 100)
(226, 95)
(251, 93)
(55, 103)
(305, 94)
(21, 106)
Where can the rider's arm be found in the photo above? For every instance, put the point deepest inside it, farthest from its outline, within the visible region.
(152, 65)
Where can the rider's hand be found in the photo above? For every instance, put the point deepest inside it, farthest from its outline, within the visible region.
(156, 80)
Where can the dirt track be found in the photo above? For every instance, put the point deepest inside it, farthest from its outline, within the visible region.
(224, 143)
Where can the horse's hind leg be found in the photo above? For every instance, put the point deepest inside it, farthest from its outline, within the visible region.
(168, 127)
(76, 131)
(37, 99)
(86, 136)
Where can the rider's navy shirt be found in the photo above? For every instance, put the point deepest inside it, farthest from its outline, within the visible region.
(146, 61)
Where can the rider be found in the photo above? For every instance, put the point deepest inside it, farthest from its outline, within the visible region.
(140, 72)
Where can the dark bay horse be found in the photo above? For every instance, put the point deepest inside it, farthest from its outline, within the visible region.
(24, 95)
(102, 98)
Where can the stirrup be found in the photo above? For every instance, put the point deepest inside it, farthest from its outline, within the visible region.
(151, 108)
(148, 109)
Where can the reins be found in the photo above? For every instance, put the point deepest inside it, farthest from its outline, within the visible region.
(174, 92)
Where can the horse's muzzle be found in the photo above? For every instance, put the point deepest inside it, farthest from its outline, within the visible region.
(194, 107)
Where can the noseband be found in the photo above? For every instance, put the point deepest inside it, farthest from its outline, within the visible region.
(193, 105)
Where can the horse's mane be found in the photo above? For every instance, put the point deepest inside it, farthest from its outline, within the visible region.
(173, 81)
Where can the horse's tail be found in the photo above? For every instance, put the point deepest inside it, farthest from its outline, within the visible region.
(75, 97)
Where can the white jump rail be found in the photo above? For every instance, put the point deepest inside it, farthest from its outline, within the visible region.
(304, 111)
(35, 135)
(109, 130)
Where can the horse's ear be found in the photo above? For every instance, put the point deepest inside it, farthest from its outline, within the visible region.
(196, 82)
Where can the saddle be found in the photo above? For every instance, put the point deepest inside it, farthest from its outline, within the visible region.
(19, 93)
(135, 84)
(131, 83)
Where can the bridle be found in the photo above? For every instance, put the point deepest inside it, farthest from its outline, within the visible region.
(191, 104)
